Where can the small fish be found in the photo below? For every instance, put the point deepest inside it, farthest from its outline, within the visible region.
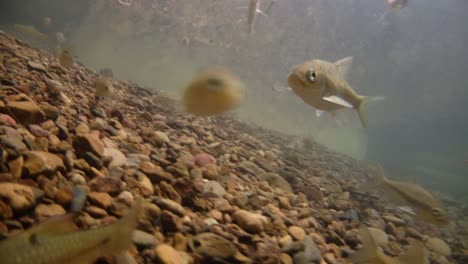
(57, 241)
(212, 92)
(103, 87)
(66, 56)
(270, 7)
(424, 206)
(253, 9)
(46, 22)
(370, 253)
(60, 37)
(322, 85)
(30, 30)
(397, 4)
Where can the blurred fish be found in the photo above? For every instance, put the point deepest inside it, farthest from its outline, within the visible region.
(253, 9)
(424, 206)
(60, 37)
(397, 4)
(103, 87)
(65, 55)
(370, 253)
(126, 3)
(57, 241)
(322, 85)
(30, 30)
(46, 22)
(270, 7)
(213, 92)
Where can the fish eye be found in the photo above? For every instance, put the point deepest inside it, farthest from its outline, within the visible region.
(214, 82)
(436, 212)
(311, 75)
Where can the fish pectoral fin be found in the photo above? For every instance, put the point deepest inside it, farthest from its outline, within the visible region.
(319, 112)
(337, 100)
(344, 66)
(56, 225)
(416, 254)
(407, 209)
(261, 12)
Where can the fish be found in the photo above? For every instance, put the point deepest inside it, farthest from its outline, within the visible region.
(66, 56)
(397, 4)
(270, 7)
(46, 21)
(253, 9)
(370, 253)
(57, 240)
(30, 30)
(213, 92)
(423, 206)
(103, 87)
(60, 37)
(323, 85)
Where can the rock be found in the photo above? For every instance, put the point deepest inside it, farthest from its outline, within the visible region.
(143, 239)
(16, 167)
(19, 197)
(7, 120)
(296, 232)
(203, 159)
(285, 259)
(26, 112)
(395, 220)
(101, 199)
(250, 222)
(379, 236)
(63, 197)
(155, 173)
(117, 158)
(214, 187)
(5, 211)
(438, 245)
(36, 66)
(95, 211)
(159, 138)
(110, 185)
(88, 143)
(180, 242)
(311, 251)
(38, 131)
(171, 206)
(167, 255)
(44, 211)
(212, 246)
(40, 162)
(170, 222)
(275, 180)
(13, 145)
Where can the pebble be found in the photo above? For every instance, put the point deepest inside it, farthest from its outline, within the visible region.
(439, 246)
(171, 206)
(214, 187)
(250, 222)
(296, 232)
(44, 211)
(19, 197)
(40, 162)
(26, 112)
(143, 239)
(101, 199)
(88, 143)
(167, 254)
(213, 246)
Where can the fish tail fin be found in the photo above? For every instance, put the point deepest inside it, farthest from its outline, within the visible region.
(362, 105)
(123, 229)
(369, 251)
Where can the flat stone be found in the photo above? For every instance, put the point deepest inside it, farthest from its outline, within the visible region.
(36, 66)
(214, 187)
(143, 239)
(19, 197)
(7, 120)
(40, 162)
(213, 246)
(26, 112)
(110, 185)
(155, 173)
(88, 143)
(13, 145)
(167, 255)
(439, 246)
(171, 206)
(44, 211)
(250, 222)
(296, 232)
(95, 211)
(101, 199)
(118, 159)
(203, 159)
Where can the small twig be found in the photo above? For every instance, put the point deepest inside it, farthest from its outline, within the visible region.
(360, 193)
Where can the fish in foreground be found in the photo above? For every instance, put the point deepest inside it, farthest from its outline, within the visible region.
(212, 92)
(57, 241)
(103, 87)
(370, 253)
(323, 85)
(30, 30)
(397, 4)
(253, 9)
(423, 206)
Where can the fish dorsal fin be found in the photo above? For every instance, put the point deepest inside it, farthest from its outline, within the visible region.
(343, 66)
(56, 225)
(337, 100)
(416, 254)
